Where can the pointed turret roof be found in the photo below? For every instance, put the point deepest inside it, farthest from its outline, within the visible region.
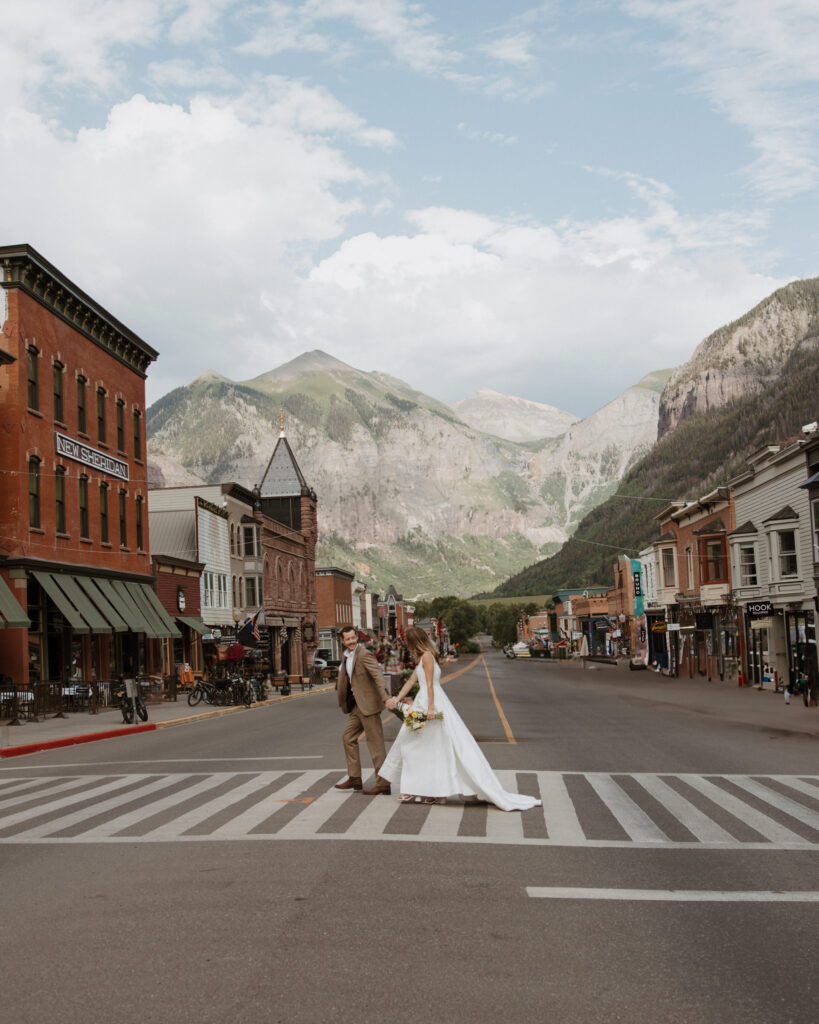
(283, 478)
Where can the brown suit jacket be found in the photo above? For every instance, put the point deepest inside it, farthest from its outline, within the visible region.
(368, 684)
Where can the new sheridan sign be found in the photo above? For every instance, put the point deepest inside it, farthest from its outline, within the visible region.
(90, 457)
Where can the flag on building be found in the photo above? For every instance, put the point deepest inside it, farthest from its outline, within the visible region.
(249, 630)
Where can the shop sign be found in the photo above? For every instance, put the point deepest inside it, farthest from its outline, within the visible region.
(71, 449)
(761, 623)
(660, 626)
(759, 609)
(673, 627)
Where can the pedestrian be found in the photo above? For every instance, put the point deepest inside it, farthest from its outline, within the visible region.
(440, 758)
(362, 695)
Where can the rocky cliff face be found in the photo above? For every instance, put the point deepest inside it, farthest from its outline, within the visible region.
(743, 357)
(408, 493)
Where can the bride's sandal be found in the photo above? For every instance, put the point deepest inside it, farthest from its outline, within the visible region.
(433, 800)
(406, 798)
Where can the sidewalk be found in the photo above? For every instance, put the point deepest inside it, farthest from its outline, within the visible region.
(83, 727)
(762, 709)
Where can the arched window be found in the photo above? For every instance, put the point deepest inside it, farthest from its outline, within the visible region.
(233, 552)
(34, 492)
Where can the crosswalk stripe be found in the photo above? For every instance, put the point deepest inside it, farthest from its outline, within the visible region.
(778, 800)
(697, 823)
(562, 823)
(67, 821)
(137, 817)
(503, 825)
(16, 786)
(632, 819)
(753, 818)
(89, 790)
(244, 823)
(302, 804)
(58, 787)
(798, 784)
(444, 823)
(190, 819)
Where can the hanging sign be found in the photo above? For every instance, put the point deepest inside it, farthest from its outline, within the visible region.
(759, 609)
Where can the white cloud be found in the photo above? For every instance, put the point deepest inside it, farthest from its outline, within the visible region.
(510, 49)
(757, 61)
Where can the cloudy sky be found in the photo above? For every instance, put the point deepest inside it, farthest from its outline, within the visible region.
(546, 199)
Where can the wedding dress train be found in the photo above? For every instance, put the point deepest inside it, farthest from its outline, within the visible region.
(443, 759)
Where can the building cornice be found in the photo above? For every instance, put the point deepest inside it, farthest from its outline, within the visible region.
(24, 268)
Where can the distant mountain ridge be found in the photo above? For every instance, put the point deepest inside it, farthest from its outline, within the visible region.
(515, 419)
(409, 493)
(751, 383)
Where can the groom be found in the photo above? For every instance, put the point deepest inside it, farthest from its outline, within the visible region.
(362, 694)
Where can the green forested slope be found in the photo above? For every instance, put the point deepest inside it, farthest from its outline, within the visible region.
(703, 452)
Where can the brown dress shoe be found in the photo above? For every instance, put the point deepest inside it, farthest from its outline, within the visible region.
(349, 784)
(381, 786)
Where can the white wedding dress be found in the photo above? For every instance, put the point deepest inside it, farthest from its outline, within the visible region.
(443, 759)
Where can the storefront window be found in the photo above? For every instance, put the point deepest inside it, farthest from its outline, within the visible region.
(815, 507)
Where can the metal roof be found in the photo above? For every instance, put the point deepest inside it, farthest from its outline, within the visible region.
(173, 533)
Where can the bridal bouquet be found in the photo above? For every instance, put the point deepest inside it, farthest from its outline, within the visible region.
(414, 719)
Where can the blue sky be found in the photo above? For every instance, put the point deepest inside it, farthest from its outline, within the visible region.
(549, 200)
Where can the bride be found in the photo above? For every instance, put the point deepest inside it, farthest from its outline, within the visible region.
(442, 758)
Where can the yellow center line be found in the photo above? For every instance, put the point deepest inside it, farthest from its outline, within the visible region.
(509, 734)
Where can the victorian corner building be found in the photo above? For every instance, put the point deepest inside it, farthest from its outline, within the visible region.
(77, 597)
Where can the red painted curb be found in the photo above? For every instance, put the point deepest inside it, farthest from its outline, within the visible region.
(70, 741)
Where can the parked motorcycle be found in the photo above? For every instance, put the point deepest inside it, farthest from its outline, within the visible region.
(129, 705)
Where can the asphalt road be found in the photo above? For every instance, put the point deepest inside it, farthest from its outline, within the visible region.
(210, 873)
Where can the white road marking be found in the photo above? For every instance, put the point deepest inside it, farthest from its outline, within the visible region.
(671, 895)
(632, 818)
(562, 822)
(164, 760)
(251, 798)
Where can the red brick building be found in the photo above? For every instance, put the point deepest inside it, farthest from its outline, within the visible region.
(177, 587)
(74, 549)
(334, 595)
(286, 511)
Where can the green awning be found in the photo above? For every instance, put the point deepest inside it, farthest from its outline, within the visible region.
(95, 594)
(162, 614)
(72, 590)
(66, 608)
(139, 592)
(194, 623)
(130, 610)
(11, 614)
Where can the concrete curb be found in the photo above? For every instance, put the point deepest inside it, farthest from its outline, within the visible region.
(71, 741)
(109, 734)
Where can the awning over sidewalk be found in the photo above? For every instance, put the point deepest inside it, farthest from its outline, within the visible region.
(194, 623)
(11, 614)
(64, 605)
(100, 605)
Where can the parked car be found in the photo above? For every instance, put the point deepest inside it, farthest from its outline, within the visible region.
(521, 650)
(323, 658)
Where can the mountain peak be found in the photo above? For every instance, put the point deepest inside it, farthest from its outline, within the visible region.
(308, 362)
(511, 417)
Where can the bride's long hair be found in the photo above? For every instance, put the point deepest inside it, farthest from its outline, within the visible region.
(419, 643)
